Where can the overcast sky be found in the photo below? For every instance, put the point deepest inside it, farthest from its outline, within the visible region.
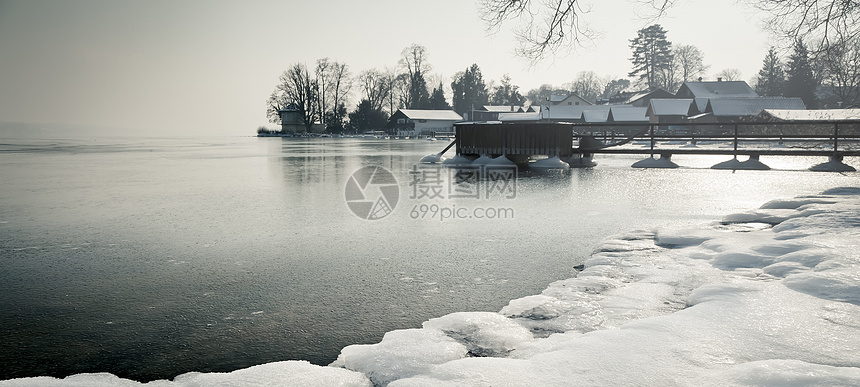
(192, 67)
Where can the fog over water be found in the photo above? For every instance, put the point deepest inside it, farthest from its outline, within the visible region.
(151, 257)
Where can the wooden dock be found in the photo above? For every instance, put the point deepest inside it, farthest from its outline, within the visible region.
(523, 141)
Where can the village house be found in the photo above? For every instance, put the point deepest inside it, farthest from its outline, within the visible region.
(568, 100)
(701, 92)
(491, 112)
(734, 109)
(643, 98)
(292, 122)
(413, 122)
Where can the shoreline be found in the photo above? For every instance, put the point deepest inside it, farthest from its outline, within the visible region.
(764, 296)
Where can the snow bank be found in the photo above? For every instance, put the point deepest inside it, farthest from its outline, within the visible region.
(285, 373)
(769, 297)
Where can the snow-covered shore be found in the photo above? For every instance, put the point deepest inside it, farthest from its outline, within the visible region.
(767, 297)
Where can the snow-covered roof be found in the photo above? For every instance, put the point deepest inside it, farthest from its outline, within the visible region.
(700, 105)
(528, 116)
(811, 115)
(502, 108)
(595, 115)
(447, 115)
(571, 112)
(622, 113)
(751, 106)
(669, 107)
(656, 93)
(715, 90)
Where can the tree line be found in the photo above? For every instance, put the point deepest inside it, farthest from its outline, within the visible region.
(321, 94)
(827, 76)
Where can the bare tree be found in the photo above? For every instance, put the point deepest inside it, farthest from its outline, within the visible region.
(689, 61)
(375, 88)
(828, 20)
(414, 60)
(296, 87)
(729, 75)
(323, 86)
(587, 85)
(334, 83)
(840, 65)
(546, 27)
(550, 25)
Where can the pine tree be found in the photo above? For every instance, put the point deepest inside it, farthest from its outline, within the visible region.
(800, 81)
(418, 91)
(507, 93)
(771, 77)
(437, 99)
(470, 91)
(652, 56)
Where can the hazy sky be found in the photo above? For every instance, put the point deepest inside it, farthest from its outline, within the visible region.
(182, 66)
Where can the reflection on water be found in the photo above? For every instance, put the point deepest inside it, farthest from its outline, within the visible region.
(150, 258)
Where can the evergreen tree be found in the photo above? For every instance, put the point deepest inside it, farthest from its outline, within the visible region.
(614, 87)
(542, 94)
(507, 93)
(470, 91)
(652, 56)
(800, 80)
(366, 117)
(437, 99)
(771, 77)
(420, 98)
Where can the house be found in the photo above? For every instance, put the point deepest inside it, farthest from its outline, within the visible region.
(670, 110)
(491, 112)
(813, 117)
(632, 118)
(718, 89)
(642, 98)
(413, 122)
(768, 115)
(737, 109)
(568, 100)
(292, 121)
(701, 92)
(522, 117)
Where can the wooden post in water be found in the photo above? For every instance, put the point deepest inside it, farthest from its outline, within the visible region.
(652, 141)
(736, 141)
(835, 138)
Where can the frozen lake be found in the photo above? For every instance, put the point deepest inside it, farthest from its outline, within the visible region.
(148, 258)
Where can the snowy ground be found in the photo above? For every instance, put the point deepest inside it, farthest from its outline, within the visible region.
(770, 297)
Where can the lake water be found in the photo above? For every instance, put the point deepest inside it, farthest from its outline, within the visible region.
(148, 258)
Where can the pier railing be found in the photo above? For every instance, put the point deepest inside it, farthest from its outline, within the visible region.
(816, 138)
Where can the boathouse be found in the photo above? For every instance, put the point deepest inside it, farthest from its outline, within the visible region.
(413, 122)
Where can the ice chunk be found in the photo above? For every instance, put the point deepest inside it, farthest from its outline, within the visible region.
(786, 373)
(783, 269)
(809, 257)
(400, 354)
(483, 333)
(733, 260)
(674, 238)
(836, 284)
(793, 204)
(284, 373)
(545, 315)
(843, 191)
(771, 216)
